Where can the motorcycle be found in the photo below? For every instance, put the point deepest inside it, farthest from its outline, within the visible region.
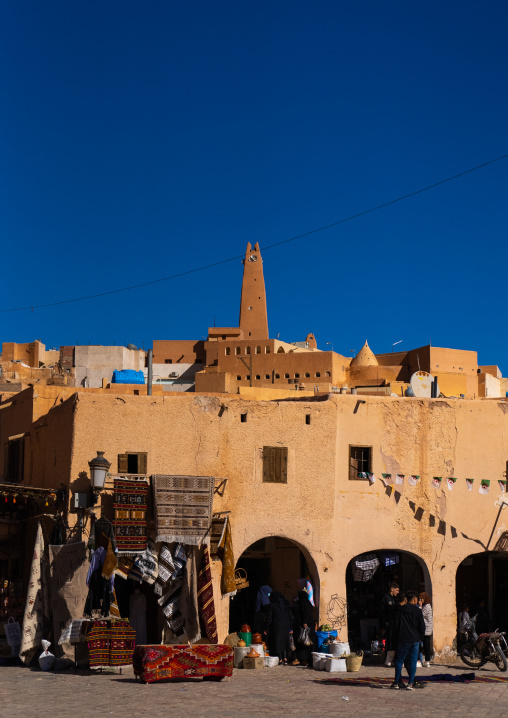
(480, 649)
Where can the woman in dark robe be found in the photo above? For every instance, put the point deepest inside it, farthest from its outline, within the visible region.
(279, 626)
(262, 603)
(303, 612)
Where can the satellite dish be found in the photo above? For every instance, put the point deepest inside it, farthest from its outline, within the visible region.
(421, 384)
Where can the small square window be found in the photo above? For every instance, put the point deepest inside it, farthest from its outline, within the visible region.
(168, 361)
(297, 376)
(277, 376)
(238, 377)
(243, 418)
(258, 376)
(360, 461)
(267, 376)
(318, 373)
(248, 377)
(307, 419)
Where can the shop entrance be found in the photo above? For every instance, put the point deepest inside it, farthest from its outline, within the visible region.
(364, 597)
(482, 586)
(276, 562)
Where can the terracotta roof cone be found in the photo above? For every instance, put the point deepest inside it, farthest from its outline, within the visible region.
(365, 357)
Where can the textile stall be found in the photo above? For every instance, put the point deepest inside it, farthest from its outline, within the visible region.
(141, 584)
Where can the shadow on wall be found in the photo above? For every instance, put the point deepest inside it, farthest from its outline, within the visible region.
(419, 513)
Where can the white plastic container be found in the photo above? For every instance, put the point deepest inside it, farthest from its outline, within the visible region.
(316, 660)
(239, 653)
(271, 661)
(322, 664)
(336, 665)
(339, 649)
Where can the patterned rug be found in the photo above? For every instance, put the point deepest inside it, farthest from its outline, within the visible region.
(205, 598)
(183, 507)
(129, 505)
(110, 643)
(160, 663)
(217, 535)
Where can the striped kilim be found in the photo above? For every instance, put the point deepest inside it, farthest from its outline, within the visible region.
(161, 663)
(110, 643)
(205, 598)
(129, 507)
(183, 507)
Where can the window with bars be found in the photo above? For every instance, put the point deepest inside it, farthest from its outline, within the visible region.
(360, 461)
(275, 464)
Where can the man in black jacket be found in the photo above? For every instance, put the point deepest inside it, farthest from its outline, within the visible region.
(409, 630)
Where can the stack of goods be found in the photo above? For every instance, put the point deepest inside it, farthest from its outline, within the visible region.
(160, 663)
(110, 643)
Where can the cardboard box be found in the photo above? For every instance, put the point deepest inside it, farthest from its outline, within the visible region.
(253, 662)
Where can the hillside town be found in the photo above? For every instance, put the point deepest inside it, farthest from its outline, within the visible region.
(151, 497)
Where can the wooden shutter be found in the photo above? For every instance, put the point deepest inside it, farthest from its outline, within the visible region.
(142, 463)
(353, 463)
(275, 464)
(123, 464)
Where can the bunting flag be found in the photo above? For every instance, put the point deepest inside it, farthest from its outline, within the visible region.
(484, 486)
(387, 478)
(450, 482)
(372, 479)
(413, 480)
(399, 479)
(436, 481)
(469, 484)
(502, 485)
(362, 475)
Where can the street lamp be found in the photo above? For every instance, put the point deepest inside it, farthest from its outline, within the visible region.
(99, 467)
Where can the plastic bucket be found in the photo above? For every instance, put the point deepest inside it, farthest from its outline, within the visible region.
(339, 649)
(336, 665)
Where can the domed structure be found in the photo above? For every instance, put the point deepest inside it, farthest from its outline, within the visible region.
(365, 357)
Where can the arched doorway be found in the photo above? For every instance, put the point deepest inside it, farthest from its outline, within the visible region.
(274, 561)
(365, 592)
(482, 585)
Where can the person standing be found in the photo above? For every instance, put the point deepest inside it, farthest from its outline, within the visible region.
(389, 604)
(426, 606)
(409, 630)
(278, 626)
(262, 603)
(303, 612)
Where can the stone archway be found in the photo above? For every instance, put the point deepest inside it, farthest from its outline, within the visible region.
(364, 598)
(278, 562)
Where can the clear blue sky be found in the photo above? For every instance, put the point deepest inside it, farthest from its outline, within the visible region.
(139, 140)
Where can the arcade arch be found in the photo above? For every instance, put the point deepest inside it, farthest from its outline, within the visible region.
(275, 561)
(364, 598)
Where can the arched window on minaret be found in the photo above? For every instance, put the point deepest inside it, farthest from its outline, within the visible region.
(258, 350)
(228, 351)
(247, 350)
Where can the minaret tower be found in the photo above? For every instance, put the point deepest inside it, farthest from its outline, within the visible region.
(253, 316)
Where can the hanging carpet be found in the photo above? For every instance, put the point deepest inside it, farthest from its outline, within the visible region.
(183, 506)
(37, 602)
(205, 598)
(130, 506)
(110, 643)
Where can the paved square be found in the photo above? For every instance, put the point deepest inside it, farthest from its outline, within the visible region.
(292, 692)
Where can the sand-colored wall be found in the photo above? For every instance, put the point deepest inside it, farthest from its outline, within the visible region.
(332, 518)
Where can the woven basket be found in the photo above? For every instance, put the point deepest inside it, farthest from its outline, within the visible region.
(241, 579)
(354, 661)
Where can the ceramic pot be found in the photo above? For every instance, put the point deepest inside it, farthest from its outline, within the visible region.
(245, 628)
(257, 638)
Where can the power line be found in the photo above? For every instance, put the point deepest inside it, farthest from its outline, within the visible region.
(269, 246)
